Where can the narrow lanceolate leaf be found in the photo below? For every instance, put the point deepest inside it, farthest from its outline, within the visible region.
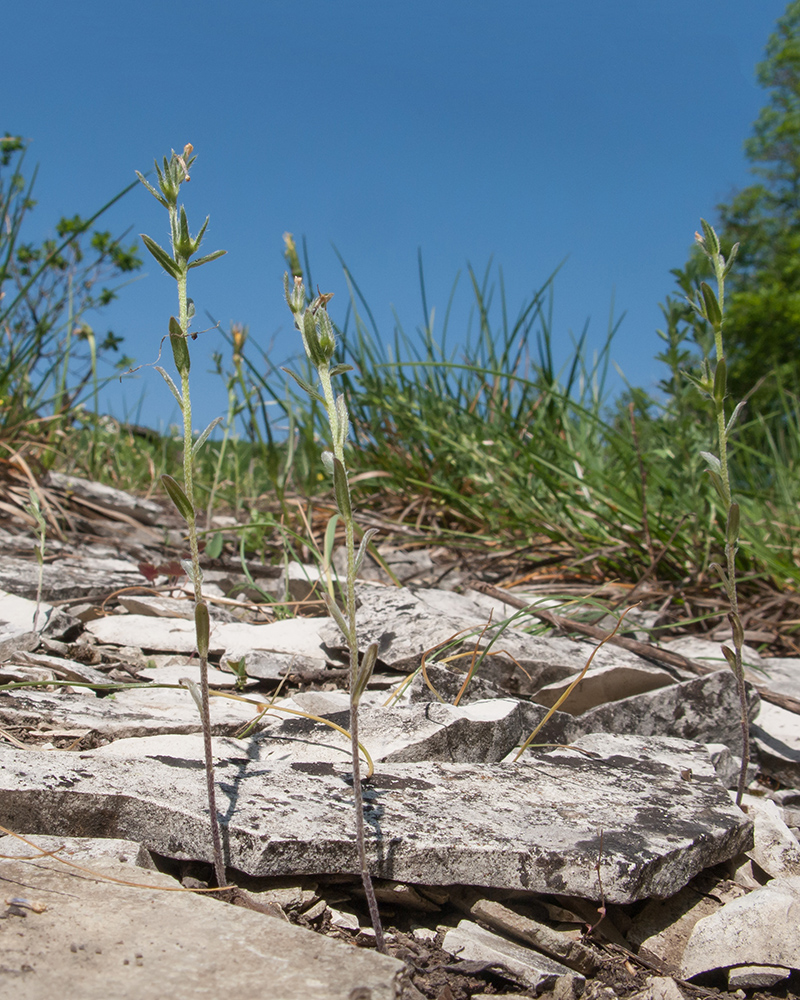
(188, 568)
(199, 238)
(204, 436)
(720, 380)
(336, 614)
(304, 386)
(202, 628)
(731, 259)
(151, 189)
(730, 656)
(713, 312)
(183, 241)
(341, 490)
(208, 257)
(732, 531)
(710, 237)
(364, 673)
(162, 257)
(737, 629)
(327, 461)
(717, 481)
(194, 691)
(362, 549)
(180, 349)
(700, 384)
(330, 538)
(712, 462)
(340, 370)
(172, 387)
(722, 575)
(734, 416)
(178, 497)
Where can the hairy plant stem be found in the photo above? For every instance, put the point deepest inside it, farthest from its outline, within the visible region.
(184, 246)
(319, 342)
(713, 385)
(352, 642)
(191, 524)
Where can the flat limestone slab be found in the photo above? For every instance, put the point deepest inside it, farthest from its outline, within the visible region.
(127, 714)
(540, 826)
(97, 939)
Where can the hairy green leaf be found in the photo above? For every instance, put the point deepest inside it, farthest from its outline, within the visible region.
(162, 257)
(179, 498)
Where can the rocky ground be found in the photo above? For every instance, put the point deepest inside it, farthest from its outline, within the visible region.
(609, 862)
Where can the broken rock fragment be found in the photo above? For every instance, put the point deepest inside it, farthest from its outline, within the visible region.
(472, 943)
(705, 709)
(761, 928)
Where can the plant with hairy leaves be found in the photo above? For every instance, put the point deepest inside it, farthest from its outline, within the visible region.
(316, 329)
(712, 383)
(177, 264)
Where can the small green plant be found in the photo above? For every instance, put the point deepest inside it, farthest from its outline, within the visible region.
(712, 383)
(177, 265)
(315, 326)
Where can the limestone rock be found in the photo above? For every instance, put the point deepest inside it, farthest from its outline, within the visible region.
(533, 826)
(102, 938)
(705, 709)
(775, 848)
(470, 942)
(448, 683)
(662, 929)
(17, 613)
(272, 650)
(752, 977)
(173, 635)
(783, 674)
(776, 741)
(136, 712)
(107, 498)
(405, 627)
(85, 575)
(157, 606)
(565, 946)
(600, 685)
(77, 849)
(176, 749)
(659, 988)
(268, 649)
(62, 668)
(743, 932)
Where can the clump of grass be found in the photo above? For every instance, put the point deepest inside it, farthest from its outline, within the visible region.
(315, 326)
(177, 265)
(711, 382)
(49, 352)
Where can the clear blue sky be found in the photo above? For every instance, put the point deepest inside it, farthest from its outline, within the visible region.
(526, 130)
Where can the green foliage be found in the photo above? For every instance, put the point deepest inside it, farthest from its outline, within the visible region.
(48, 350)
(762, 315)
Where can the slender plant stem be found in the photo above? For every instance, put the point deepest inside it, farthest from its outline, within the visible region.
(188, 479)
(318, 340)
(713, 385)
(184, 246)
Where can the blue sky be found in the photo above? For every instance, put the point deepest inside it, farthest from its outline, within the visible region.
(529, 131)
